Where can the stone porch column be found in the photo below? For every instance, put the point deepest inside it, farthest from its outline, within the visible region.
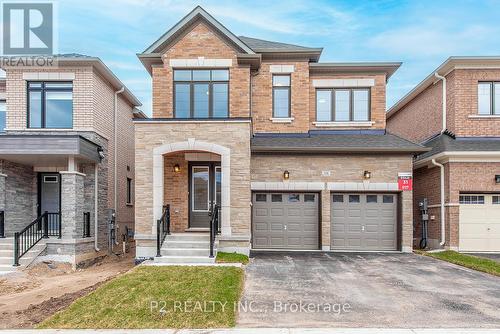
(72, 204)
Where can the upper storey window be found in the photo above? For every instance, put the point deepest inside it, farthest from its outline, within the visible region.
(343, 105)
(50, 105)
(488, 98)
(281, 96)
(201, 93)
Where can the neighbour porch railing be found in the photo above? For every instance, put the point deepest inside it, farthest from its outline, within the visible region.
(214, 226)
(162, 228)
(86, 224)
(48, 224)
(2, 224)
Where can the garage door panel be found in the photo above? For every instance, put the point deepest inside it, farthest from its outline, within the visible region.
(370, 224)
(293, 222)
(479, 223)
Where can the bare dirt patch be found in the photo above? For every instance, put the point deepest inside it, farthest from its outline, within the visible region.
(30, 296)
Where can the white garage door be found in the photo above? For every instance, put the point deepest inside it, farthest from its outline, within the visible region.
(479, 229)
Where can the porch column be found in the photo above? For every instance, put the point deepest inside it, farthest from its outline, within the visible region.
(72, 204)
(226, 194)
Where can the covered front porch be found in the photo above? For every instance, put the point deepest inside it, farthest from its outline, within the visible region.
(49, 190)
(192, 167)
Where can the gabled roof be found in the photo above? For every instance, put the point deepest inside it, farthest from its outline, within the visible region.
(184, 23)
(262, 46)
(479, 62)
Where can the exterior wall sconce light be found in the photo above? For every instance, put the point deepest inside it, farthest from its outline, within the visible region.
(286, 175)
(177, 168)
(497, 178)
(367, 175)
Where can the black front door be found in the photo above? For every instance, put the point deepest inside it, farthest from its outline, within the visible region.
(204, 190)
(49, 198)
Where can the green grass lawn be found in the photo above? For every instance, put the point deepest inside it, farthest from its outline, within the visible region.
(469, 261)
(231, 258)
(191, 296)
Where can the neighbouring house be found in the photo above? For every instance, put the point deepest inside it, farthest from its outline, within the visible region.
(455, 112)
(66, 157)
(293, 151)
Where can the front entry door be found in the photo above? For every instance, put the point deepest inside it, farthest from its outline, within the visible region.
(204, 189)
(49, 198)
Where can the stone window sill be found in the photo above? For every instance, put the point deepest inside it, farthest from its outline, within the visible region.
(484, 116)
(343, 124)
(282, 119)
(130, 204)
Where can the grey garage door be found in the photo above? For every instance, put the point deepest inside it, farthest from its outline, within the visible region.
(285, 221)
(364, 222)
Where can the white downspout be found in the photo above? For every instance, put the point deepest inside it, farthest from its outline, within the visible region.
(115, 156)
(444, 99)
(96, 208)
(441, 167)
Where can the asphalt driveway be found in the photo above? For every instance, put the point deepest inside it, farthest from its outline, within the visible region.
(366, 290)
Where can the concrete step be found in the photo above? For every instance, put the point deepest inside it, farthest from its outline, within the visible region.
(188, 237)
(185, 252)
(184, 259)
(185, 244)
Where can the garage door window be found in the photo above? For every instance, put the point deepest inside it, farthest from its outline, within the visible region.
(261, 197)
(388, 199)
(354, 199)
(496, 200)
(371, 198)
(276, 198)
(309, 198)
(338, 198)
(293, 198)
(471, 199)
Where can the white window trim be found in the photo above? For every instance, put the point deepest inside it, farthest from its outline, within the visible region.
(282, 119)
(201, 62)
(483, 116)
(344, 124)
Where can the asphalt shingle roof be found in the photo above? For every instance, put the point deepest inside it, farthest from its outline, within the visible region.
(348, 142)
(261, 44)
(445, 143)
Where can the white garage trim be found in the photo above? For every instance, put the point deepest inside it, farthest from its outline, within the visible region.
(362, 186)
(303, 186)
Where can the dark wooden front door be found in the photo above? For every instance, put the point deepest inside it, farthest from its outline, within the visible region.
(204, 190)
(49, 198)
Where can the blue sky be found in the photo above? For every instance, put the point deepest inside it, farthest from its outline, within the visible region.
(421, 34)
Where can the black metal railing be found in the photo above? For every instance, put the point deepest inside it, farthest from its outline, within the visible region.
(48, 224)
(54, 227)
(2, 224)
(86, 224)
(162, 228)
(214, 226)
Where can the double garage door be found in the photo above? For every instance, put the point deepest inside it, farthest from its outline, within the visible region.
(479, 223)
(291, 221)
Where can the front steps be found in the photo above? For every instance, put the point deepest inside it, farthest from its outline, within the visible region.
(7, 255)
(186, 248)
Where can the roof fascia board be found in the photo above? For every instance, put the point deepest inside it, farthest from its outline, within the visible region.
(457, 155)
(195, 13)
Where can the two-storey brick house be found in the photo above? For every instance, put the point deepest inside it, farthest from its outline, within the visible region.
(293, 150)
(66, 157)
(455, 112)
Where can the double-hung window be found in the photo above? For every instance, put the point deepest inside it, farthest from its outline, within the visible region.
(488, 98)
(201, 93)
(50, 105)
(281, 96)
(3, 115)
(343, 105)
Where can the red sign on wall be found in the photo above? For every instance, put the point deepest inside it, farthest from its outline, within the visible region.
(405, 181)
